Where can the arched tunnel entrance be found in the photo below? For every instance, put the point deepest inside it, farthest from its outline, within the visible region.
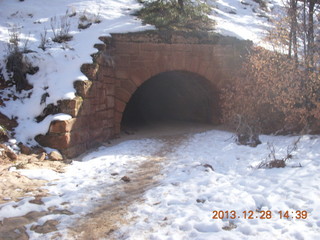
(110, 99)
(172, 96)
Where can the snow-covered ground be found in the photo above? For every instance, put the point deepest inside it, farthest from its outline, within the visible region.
(84, 184)
(182, 205)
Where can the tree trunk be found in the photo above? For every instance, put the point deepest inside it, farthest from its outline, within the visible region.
(310, 33)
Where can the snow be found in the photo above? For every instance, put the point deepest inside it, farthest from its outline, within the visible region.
(84, 183)
(59, 64)
(171, 211)
(181, 205)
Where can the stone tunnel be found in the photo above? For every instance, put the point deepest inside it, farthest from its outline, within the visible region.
(139, 77)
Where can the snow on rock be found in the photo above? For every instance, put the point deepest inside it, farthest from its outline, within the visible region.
(59, 65)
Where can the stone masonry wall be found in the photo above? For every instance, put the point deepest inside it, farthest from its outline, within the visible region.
(122, 64)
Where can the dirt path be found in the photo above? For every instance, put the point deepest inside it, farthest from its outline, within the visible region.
(112, 208)
(106, 218)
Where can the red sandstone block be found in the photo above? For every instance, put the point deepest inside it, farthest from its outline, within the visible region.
(136, 77)
(117, 84)
(100, 107)
(203, 66)
(179, 61)
(95, 133)
(219, 51)
(181, 47)
(195, 64)
(94, 101)
(137, 67)
(135, 58)
(85, 108)
(117, 128)
(82, 87)
(60, 142)
(62, 126)
(108, 133)
(102, 115)
(163, 63)
(92, 93)
(148, 57)
(201, 50)
(107, 80)
(151, 47)
(110, 101)
(119, 105)
(158, 68)
(122, 61)
(90, 70)
(122, 95)
(118, 117)
(129, 48)
(110, 113)
(74, 151)
(105, 72)
(109, 123)
(188, 62)
(109, 89)
(72, 106)
(78, 137)
(122, 73)
(82, 122)
(128, 85)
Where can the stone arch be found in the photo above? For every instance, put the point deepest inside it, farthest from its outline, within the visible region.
(173, 95)
(121, 65)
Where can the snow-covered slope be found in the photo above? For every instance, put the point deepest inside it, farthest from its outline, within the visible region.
(244, 19)
(60, 64)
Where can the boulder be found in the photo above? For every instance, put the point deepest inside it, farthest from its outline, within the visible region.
(42, 156)
(11, 155)
(55, 156)
(25, 149)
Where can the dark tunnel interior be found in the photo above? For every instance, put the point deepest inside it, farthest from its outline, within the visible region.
(175, 95)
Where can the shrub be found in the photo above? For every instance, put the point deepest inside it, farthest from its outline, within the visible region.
(170, 15)
(60, 28)
(44, 40)
(86, 20)
(247, 133)
(273, 93)
(17, 64)
(273, 162)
